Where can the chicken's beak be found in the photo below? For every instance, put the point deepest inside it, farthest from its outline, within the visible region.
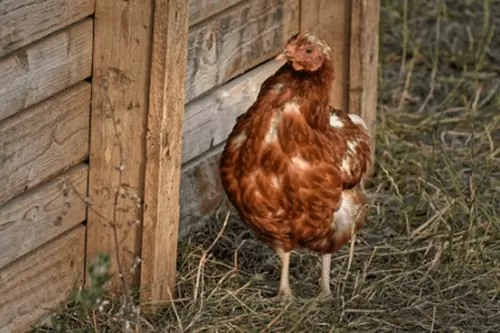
(283, 55)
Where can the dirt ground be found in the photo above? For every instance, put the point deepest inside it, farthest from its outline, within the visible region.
(428, 259)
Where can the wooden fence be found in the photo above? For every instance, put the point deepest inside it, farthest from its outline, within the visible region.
(96, 98)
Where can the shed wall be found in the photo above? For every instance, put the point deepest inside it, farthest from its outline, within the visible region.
(45, 61)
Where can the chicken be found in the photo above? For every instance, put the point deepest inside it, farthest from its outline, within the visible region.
(292, 165)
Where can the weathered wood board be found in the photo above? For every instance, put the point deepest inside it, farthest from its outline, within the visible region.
(363, 73)
(163, 150)
(36, 283)
(44, 68)
(200, 10)
(329, 20)
(236, 40)
(210, 119)
(25, 21)
(44, 140)
(201, 192)
(208, 122)
(120, 91)
(42, 214)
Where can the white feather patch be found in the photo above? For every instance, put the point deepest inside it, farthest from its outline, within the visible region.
(239, 139)
(335, 121)
(292, 107)
(358, 120)
(344, 217)
(276, 181)
(351, 146)
(272, 132)
(346, 165)
(299, 162)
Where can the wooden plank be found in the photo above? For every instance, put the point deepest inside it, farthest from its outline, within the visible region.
(329, 20)
(210, 119)
(37, 72)
(236, 40)
(44, 140)
(201, 192)
(36, 283)
(42, 214)
(25, 21)
(200, 10)
(163, 153)
(120, 90)
(363, 79)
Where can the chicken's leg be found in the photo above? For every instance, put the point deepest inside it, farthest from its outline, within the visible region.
(284, 290)
(326, 260)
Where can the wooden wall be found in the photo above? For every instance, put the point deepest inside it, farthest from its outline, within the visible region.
(231, 50)
(45, 61)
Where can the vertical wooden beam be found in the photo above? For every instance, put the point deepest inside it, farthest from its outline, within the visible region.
(120, 93)
(363, 71)
(329, 20)
(163, 150)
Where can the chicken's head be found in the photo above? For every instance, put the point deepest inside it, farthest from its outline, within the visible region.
(306, 52)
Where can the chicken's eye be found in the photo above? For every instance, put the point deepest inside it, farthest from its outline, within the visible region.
(309, 50)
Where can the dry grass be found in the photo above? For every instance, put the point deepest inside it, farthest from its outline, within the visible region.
(428, 259)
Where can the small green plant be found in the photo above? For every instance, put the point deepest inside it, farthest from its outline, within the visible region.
(84, 302)
(93, 297)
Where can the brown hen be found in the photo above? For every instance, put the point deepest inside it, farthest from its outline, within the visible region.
(292, 164)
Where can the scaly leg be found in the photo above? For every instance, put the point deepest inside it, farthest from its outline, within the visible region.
(284, 290)
(326, 260)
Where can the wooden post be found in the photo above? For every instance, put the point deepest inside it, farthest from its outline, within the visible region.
(163, 150)
(120, 93)
(136, 128)
(351, 29)
(363, 69)
(329, 20)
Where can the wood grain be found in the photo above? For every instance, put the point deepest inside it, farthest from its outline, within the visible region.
(163, 152)
(210, 119)
(201, 192)
(120, 90)
(25, 21)
(200, 10)
(35, 284)
(45, 68)
(44, 140)
(236, 40)
(363, 74)
(42, 214)
(329, 20)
